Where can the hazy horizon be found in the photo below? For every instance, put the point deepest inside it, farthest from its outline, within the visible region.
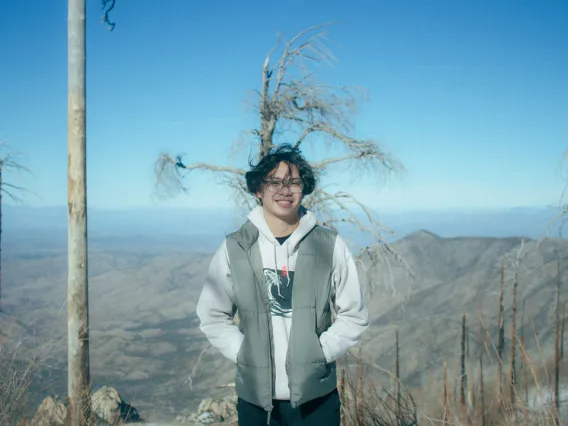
(201, 229)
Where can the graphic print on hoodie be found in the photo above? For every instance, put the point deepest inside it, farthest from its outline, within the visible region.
(280, 284)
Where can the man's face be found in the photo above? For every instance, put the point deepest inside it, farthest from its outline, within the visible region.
(281, 192)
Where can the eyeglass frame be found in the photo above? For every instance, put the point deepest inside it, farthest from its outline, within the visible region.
(281, 185)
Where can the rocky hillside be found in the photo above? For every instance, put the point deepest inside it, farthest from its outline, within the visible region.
(456, 276)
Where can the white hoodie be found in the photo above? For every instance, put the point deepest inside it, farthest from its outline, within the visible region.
(215, 307)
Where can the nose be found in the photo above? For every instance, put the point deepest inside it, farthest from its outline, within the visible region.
(286, 190)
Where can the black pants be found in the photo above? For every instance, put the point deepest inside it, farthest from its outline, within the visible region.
(320, 411)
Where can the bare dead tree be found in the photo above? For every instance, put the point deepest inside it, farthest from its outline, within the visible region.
(446, 396)
(341, 390)
(513, 372)
(397, 371)
(557, 336)
(9, 163)
(78, 376)
(563, 323)
(468, 368)
(360, 398)
(295, 108)
(463, 373)
(195, 367)
(524, 367)
(501, 338)
(481, 380)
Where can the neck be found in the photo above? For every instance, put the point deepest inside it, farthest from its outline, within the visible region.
(281, 227)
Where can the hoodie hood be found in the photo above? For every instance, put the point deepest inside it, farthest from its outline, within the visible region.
(290, 246)
(307, 222)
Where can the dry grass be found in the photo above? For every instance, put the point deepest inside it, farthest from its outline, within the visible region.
(492, 388)
(15, 378)
(365, 402)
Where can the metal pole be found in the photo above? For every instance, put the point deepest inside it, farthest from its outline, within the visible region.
(78, 384)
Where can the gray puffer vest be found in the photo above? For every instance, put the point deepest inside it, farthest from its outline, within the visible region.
(309, 375)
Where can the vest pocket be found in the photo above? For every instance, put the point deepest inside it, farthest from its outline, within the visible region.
(251, 385)
(254, 350)
(305, 343)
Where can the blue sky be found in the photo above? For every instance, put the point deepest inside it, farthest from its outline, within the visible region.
(471, 96)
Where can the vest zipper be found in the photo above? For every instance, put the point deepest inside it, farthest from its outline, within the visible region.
(270, 337)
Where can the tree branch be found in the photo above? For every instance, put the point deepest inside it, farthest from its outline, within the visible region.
(9, 163)
(107, 6)
(169, 177)
(289, 55)
(212, 168)
(323, 204)
(363, 155)
(242, 197)
(194, 369)
(16, 187)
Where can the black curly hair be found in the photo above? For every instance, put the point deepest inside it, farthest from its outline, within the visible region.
(284, 153)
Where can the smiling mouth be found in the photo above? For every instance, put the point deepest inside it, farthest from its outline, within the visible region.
(284, 203)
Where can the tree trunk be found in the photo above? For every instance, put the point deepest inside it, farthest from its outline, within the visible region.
(463, 375)
(267, 117)
(360, 417)
(342, 398)
(524, 349)
(501, 339)
(397, 380)
(561, 328)
(557, 339)
(513, 379)
(1, 183)
(481, 385)
(446, 396)
(468, 369)
(78, 384)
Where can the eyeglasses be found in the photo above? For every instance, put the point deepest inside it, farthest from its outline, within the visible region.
(296, 186)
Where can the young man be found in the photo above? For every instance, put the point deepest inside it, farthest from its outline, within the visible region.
(284, 275)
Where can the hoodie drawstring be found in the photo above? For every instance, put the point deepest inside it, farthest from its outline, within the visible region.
(288, 266)
(275, 261)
